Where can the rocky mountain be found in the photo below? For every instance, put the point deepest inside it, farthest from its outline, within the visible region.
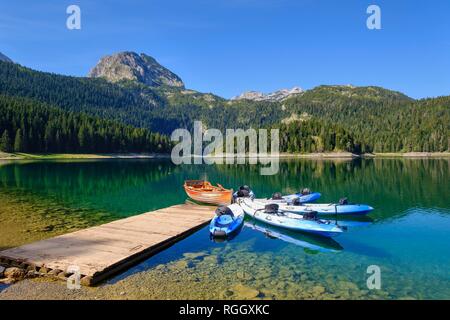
(274, 96)
(4, 58)
(131, 66)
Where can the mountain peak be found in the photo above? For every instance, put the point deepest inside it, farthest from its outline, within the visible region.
(273, 96)
(4, 58)
(129, 65)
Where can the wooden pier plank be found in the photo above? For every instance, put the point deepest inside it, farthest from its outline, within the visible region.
(108, 248)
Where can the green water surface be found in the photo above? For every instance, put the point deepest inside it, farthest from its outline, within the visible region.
(407, 236)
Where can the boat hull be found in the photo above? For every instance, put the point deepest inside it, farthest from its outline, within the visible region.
(306, 198)
(210, 197)
(322, 209)
(290, 221)
(225, 226)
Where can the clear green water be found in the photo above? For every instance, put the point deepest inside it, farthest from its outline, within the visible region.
(407, 236)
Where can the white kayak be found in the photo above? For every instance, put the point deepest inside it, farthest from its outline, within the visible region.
(288, 220)
(320, 208)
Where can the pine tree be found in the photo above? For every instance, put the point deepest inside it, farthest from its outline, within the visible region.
(5, 142)
(82, 138)
(18, 141)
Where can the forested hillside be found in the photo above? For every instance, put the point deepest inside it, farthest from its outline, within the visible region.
(357, 119)
(158, 109)
(30, 126)
(316, 136)
(382, 120)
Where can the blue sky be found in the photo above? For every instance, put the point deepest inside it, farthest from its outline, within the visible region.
(230, 46)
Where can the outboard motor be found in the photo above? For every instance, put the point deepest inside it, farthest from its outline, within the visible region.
(224, 211)
(277, 196)
(305, 191)
(243, 193)
(271, 208)
(219, 235)
(343, 201)
(310, 215)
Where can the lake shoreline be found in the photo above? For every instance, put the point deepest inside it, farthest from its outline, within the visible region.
(81, 156)
(323, 155)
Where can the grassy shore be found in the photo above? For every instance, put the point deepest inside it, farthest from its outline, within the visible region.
(411, 154)
(323, 155)
(367, 155)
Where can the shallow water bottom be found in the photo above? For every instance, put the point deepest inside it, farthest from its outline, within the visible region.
(225, 273)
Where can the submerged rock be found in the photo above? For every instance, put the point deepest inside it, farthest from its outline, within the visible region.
(244, 292)
(183, 264)
(32, 274)
(242, 275)
(48, 228)
(347, 285)
(227, 294)
(62, 276)
(14, 273)
(194, 255)
(318, 290)
(43, 270)
(54, 272)
(212, 259)
(7, 281)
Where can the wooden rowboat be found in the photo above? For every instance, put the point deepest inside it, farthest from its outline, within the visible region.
(203, 191)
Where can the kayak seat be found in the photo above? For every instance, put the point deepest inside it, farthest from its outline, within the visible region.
(305, 191)
(224, 221)
(224, 211)
(310, 215)
(277, 196)
(271, 208)
(243, 193)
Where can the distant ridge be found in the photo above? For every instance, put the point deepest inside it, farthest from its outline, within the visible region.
(274, 96)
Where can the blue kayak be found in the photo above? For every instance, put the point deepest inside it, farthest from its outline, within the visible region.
(228, 220)
(303, 198)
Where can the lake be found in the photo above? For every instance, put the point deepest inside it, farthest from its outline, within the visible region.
(407, 235)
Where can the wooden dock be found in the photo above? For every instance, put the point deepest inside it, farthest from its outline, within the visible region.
(101, 251)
